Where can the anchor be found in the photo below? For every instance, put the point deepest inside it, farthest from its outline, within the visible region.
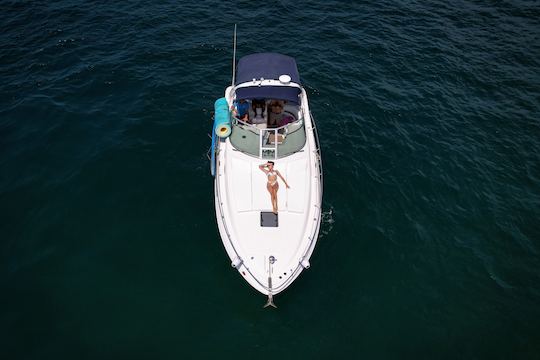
(270, 301)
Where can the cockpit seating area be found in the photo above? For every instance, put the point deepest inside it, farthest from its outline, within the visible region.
(270, 122)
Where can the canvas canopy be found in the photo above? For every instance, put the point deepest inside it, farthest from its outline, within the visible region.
(267, 66)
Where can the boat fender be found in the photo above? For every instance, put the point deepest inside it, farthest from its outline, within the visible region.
(305, 264)
(222, 118)
(237, 262)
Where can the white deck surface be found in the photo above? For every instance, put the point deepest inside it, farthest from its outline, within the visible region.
(245, 196)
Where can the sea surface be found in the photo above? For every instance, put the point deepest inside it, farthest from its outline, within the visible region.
(429, 118)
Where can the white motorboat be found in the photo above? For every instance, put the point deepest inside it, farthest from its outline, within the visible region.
(268, 250)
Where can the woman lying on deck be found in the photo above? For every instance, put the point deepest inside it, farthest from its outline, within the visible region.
(272, 186)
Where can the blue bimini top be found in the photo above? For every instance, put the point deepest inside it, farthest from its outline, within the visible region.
(267, 66)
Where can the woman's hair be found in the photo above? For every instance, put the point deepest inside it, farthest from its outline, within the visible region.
(257, 103)
(271, 162)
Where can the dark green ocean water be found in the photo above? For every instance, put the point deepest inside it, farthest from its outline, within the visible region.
(428, 114)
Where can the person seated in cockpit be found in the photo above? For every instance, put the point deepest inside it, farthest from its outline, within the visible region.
(276, 113)
(240, 110)
(258, 111)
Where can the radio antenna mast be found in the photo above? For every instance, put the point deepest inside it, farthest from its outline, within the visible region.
(234, 57)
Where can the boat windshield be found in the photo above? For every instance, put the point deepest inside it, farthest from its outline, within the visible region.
(267, 142)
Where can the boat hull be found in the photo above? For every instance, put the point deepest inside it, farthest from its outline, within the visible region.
(269, 259)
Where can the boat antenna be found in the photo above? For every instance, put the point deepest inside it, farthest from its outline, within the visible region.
(234, 57)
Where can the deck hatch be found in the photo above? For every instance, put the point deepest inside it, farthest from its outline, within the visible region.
(269, 219)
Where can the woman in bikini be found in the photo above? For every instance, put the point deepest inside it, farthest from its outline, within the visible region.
(272, 184)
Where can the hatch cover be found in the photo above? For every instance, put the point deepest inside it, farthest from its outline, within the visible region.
(269, 219)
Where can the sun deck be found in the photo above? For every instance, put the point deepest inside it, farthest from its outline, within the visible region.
(245, 196)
